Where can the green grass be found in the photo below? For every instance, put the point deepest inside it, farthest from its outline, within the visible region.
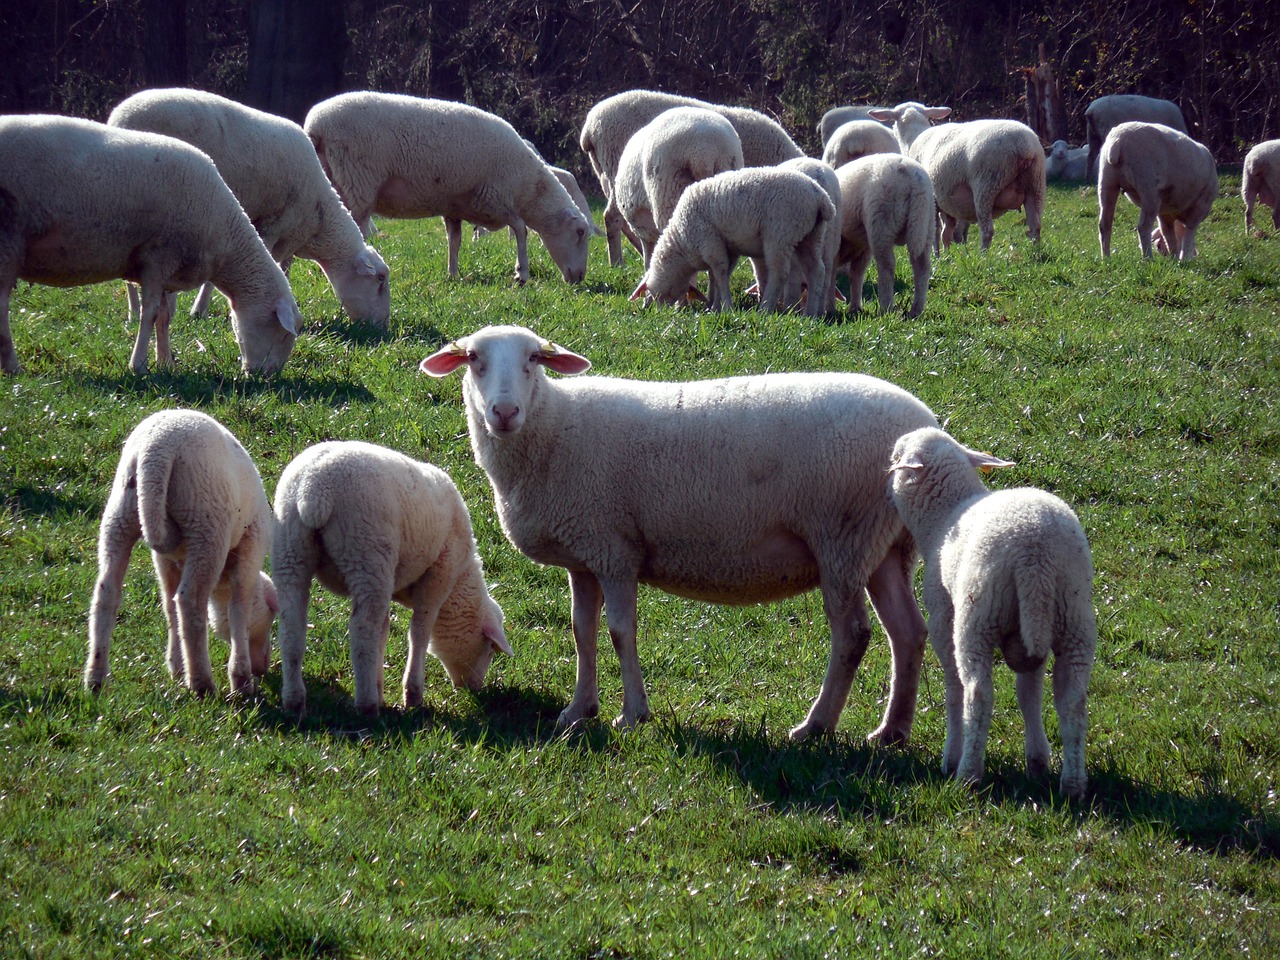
(147, 823)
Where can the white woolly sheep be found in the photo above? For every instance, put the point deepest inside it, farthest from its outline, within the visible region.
(676, 148)
(188, 489)
(1170, 177)
(1262, 181)
(742, 490)
(887, 199)
(401, 156)
(909, 120)
(377, 526)
(611, 122)
(1007, 569)
(980, 169)
(1064, 162)
(822, 174)
(858, 138)
(85, 202)
(837, 117)
(1106, 112)
(776, 217)
(570, 184)
(271, 167)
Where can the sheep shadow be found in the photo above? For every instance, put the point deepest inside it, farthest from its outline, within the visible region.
(200, 389)
(29, 501)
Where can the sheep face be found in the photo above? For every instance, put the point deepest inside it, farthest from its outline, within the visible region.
(464, 647)
(362, 286)
(266, 337)
(566, 240)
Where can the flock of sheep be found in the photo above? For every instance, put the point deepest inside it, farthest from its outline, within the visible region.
(785, 482)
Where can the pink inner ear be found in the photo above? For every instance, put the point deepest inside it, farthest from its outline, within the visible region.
(565, 361)
(639, 291)
(442, 362)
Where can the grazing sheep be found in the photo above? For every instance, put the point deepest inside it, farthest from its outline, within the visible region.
(777, 217)
(676, 148)
(822, 174)
(570, 184)
(402, 156)
(84, 202)
(1262, 181)
(1005, 569)
(1106, 112)
(1064, 162)
(741, 490)
(887, 199)
(1170, 177)
(837, 117)
(909, 120)
(374, 525)
(611, 122)
(979, 170)
(188, 489)
(858, 138)
(271, 167)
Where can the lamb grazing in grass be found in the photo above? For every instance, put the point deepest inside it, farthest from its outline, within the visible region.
(777, 217)
(837, 117)
(377, 526)
(188, 489)
(887, 200)
(859, 138)
(1262, 181)
(822, 174)
(271, 167)
(1105, 113)
(1007, 569)
(402, 156)
(84, 202)
(1064, 162)
(909, 120)
(1170, 177)
(741, 490)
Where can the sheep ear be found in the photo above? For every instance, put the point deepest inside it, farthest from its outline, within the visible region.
(366, 266)
(911, 465)
(696, 295)
(641, 289)
(937, 113)
(557, 358)
(985, 462)
(288, 314)
(444, 361)
(497, 637)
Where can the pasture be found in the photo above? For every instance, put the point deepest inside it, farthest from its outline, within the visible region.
(147, 823)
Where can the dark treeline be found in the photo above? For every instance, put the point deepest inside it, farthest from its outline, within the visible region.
(542, 64)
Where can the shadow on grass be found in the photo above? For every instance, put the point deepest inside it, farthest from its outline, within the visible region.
(200, 388)
(37, 501)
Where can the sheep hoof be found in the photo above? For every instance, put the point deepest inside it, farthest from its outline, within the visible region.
(1073, 787)
(887, 736)
(806, 730)
(623, 722)
(573, 714)
(412, 699)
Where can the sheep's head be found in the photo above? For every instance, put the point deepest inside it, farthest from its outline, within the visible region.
(468, 632)
(361, 283)
(928, 466)
(566, 240)
(266, 335)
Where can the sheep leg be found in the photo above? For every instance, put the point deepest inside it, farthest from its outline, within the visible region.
(948, 229)
(370, 623)
(8, 356)
(975, 650)
(168, 307)
(133, 297)
(587, 599)
(521, 233)
(921, 267)
(1250, 199)
(293, 588)
(620, 611)
(203, 297)
(942, 639)
(421, 624)
(613, 223)
(1030, 689)
(1072, 665)
(719, 271)
(884, 277)
(453, 233)
(777, 264)
(169, 576)
(1147, 218)
(894, 601)
(120, 531)
(199, 574)
(850, 634)
(152, 304)
(1108, 194)
(244, 581)
(858, 265)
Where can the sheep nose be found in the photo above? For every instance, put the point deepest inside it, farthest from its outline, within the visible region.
(505, 414)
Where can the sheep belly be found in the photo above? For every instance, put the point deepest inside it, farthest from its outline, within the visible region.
(774, 566)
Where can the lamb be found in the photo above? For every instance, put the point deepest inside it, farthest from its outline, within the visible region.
(1169, 176)
(741, 490)
(1261, 181)
(822, 174)
(676, 148)
(403, 156)
(611, 122)
(837, 117)
(377, 526)
(1105, 113)
(777, 217)
(887, 199)
(80, 207)
(271, 167)
(1064, 162)
(189, 490)
(909, 120)
(980, 169)
(858, 138)
(1008, 569)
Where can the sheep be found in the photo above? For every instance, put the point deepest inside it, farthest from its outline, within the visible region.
(822, 174)
(1104, 113)
(85, 202)
(403, 156)
(740, 490)
(570, 184)
(271, 167)
(375, 525)
(1007, 569)
(1169, 176)
(1261, 181)
(980, 169)
(837, 117)
(187, 488)
(887, 199)
(1064, 162)
(858, 138)
(676, 148)
(611, 122)
(777, 217)
(909, 120)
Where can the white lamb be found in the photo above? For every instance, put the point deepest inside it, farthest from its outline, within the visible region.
(822, 174)
(271, 167)
(402, 156)
(887, 199)
(1261, 181)
(1106, 112)
(837, 117)
(377, 526)
(980, 169)
(189, 490)
(1064, 162)
(611, 122)
(1007, 570)
(676, 148)
(742, 490)
(1170, 177)
(909, 120)
(858, 138)
(85, 202)
(777, 217)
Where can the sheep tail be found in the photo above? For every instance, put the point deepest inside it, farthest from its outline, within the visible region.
(314, 502)
(1036, 589)
(152, 472)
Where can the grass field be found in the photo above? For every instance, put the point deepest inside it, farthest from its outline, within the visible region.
(147, 823)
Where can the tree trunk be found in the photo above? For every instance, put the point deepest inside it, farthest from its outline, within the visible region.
(296, 53)
(165, 59)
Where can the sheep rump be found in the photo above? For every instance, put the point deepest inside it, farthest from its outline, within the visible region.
(1261, 181)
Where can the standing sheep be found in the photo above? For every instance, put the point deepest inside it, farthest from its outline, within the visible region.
(188, 489)
(1106, 112)
(858, 138)
(821, 174)
(402, 156)
(1006, 569)
(1170, 177)
(909, 120)
(741, 490)
(1064, 162)
(374, 525)
(1262, 181)
(84, 202)
(837, 117)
